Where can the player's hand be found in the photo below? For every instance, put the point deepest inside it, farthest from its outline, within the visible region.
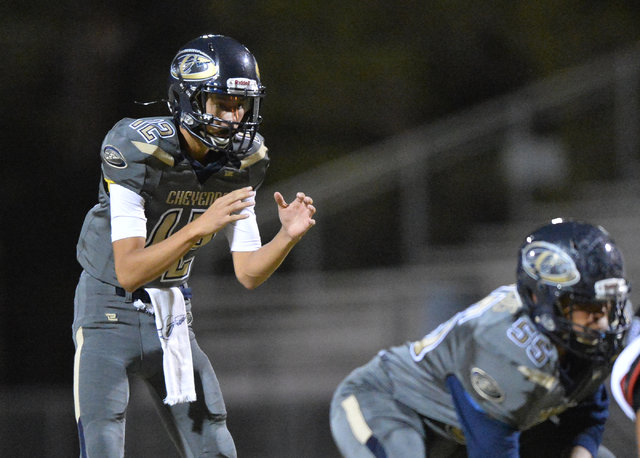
(296, 217)
(224, 210)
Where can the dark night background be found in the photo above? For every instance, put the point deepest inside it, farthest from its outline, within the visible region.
(339, 75)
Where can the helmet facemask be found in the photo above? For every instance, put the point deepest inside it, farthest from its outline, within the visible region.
(600, 345)
(233, 138)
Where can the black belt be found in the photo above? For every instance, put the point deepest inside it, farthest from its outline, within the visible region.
(141, 294)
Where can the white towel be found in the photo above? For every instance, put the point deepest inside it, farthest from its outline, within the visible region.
(173, 331)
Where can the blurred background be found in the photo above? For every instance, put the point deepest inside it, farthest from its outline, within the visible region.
(433, 136)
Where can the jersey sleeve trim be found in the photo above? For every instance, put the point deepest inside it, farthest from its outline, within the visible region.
(629, 384)
(624, 377)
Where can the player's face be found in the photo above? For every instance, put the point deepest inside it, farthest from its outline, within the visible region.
(594, 315)
(229, 108)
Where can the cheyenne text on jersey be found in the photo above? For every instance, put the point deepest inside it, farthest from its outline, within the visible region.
(192, 198)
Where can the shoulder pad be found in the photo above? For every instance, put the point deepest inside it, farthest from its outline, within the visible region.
(138, 140)
(132, 144)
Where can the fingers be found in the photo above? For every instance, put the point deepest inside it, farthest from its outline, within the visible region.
(302, 201)
(304, 198)
(308, 202)
(240, 199)
(233, 203)
(239, 194)
(300, 197)
(235, 210)
(280, 200)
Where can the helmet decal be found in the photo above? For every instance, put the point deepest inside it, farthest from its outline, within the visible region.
(242, 84)
(611, 288)
(550, 264)
(193, 65)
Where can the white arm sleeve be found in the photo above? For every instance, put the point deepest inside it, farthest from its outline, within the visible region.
(127, 213)
(244, 235)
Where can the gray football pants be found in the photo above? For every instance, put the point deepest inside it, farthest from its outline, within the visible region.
(114, 342)
(367, 422)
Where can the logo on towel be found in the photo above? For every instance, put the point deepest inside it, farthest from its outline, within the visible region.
(169, 324)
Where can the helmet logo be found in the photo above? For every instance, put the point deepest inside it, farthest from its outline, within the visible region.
(193, 65)
(549, 264)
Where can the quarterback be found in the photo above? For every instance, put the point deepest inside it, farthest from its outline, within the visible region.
(531, 356)
(169, 184)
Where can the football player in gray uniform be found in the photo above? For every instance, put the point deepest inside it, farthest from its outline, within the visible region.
(169, 185)
(519, 373)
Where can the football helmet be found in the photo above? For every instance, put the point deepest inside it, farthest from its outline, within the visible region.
(216, 64)
(569, 265)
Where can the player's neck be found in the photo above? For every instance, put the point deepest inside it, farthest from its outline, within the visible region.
(192, 146)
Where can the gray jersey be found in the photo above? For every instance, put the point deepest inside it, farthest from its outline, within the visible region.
(113, 339)
(144, 156)
(504, 363)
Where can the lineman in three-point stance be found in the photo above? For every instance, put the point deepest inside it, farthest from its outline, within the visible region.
(519, 373)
